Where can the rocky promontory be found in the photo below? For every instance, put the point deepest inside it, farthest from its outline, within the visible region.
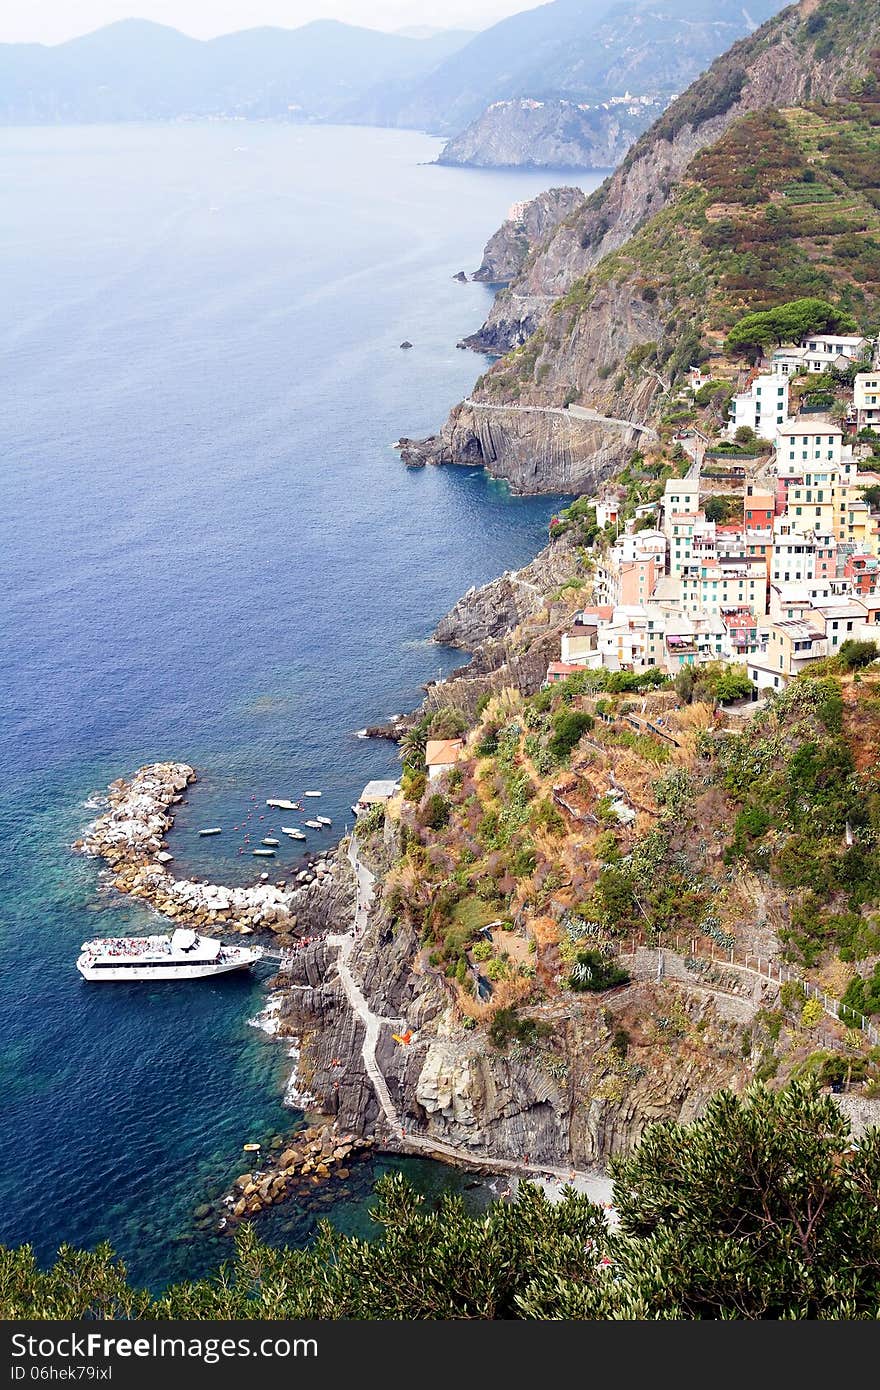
(526, 227)
(528, 134)
(533, 448)
(130, 837)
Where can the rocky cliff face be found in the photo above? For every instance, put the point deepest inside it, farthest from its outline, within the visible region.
(573, 1103)
(778, 66)
(585, 298)
(527, 227)
(490, 612)
(534, 451)
(547, 134)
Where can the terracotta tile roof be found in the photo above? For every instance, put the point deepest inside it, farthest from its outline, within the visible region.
(443, 750)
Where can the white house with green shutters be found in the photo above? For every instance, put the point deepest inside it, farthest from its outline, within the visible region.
(866, 398)
(763, 407)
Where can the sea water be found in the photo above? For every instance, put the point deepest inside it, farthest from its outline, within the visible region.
(210, 553)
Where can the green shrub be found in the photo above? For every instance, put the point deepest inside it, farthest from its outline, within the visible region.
(436, 812)
(593, 971)
(854, 654)
(413, 784)
(488, 744)
(863, 995)
(507, 1027)
(544, 815)
(751, 823)
(569, 726)
(812, 1013)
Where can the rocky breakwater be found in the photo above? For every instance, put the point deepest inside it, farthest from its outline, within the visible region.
(318, 1155)
(130, 837)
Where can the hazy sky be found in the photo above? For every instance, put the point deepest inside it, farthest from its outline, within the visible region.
(52, 21)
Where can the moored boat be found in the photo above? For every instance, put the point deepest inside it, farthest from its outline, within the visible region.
(182, 956)
(270, 840)
(313, 824)
(212, 830)
(324, 820)
(263, 853)
(311, 793)
(281, 804)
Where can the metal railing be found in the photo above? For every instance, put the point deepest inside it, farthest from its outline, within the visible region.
(758, 967)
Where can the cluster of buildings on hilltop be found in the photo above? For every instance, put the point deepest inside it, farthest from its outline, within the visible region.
(785, 582)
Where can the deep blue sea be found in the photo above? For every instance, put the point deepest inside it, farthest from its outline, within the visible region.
(210, 553)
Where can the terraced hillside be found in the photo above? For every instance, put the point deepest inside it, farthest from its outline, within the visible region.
(784, 204)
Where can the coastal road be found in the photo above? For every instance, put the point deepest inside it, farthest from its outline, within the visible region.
(552, 1178)
(571, 412)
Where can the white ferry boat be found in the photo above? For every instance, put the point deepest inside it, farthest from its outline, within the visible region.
(182, 956)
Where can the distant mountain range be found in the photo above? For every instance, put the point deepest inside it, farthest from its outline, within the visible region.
(566, 53)
(138, 70)
(582, 50)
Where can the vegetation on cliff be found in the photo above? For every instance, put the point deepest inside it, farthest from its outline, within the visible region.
(618, 809)
(783, 205)
(770, 215)
(762, 1209)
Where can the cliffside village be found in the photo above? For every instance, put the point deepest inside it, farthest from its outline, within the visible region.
(785, 581)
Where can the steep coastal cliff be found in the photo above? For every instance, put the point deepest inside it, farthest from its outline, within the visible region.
(807, 53)
(570, 1107)
(528, 226)
(534, 975)
(646, 276)
(547, 134)
(534, 449)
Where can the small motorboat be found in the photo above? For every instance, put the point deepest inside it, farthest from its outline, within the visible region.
(311, 793)
(282, 804)
(354, 810)
(324, 820)
(251, 1148)
(212, 830)
(293, 831)
(263, 853)
(270, 840)
(314, 825)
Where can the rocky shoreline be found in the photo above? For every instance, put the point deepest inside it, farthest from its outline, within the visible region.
(301, 1163)
(130, 837)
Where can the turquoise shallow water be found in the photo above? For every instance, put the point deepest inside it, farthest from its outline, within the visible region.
(211, 553)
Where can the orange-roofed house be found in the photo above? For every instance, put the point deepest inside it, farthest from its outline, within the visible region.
(441, 754)
(559, 671)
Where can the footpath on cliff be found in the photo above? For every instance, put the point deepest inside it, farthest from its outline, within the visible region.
(398, 1139)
